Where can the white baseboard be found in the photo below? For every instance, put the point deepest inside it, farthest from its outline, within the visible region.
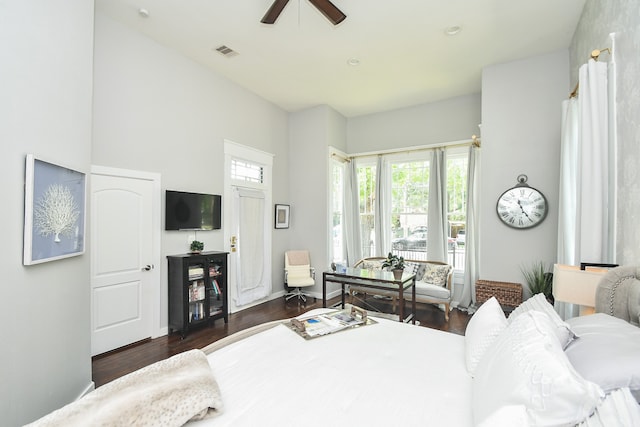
(280, 294)
(161, 332)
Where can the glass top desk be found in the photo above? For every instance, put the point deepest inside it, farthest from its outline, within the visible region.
(376, 279)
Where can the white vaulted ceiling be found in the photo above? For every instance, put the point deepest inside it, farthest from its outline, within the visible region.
(405, 57)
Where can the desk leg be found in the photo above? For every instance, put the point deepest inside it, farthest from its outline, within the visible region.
(413, 302)
(342, 295)
(324, 290)
(401, 303)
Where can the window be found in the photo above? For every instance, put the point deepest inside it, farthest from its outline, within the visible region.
(457, 167)
(246, 171)
(409, 198)
(367, 194)
(409, 184)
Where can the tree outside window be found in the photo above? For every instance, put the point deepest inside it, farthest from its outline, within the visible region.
(367, 192)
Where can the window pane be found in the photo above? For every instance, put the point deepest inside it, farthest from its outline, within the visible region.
(367, 190)
(246, 171)
(409, 208)
(409, 197)
(457, 206)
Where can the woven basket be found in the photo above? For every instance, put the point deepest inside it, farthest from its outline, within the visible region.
(507, 293)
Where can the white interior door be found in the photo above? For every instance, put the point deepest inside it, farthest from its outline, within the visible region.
(249, 225)
(124, 280)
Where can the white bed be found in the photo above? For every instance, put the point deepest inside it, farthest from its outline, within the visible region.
(388, 373)
(530, 369)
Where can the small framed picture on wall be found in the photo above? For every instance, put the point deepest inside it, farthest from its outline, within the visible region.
(282, 216)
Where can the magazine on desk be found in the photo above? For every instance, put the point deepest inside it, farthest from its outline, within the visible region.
(328, 323)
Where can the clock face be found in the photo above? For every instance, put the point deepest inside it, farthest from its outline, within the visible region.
(522, 207)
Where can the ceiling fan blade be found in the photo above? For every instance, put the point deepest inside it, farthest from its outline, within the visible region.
(274, 11)
(329, 10)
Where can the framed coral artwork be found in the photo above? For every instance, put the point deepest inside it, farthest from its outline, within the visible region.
(54, 212)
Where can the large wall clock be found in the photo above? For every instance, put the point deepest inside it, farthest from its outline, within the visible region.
(522, 206)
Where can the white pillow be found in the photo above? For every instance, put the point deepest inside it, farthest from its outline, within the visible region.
(618, 408)
(417, 268)
(526, 366)
(539, 302)
(508, 416)
(482, 330)
(607, 352)
(436, 274)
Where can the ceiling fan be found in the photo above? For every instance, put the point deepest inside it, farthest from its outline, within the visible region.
(328, 9)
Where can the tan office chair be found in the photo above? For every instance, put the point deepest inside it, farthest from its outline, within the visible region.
(298, 274)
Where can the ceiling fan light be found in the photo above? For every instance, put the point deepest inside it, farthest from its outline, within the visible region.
(143, 13)
(452, 31)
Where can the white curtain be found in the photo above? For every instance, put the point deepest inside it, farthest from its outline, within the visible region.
(352, 214)
(567, 208)
(466, 297)
(251, 282)
(437, 224)
(585, 222)
(593, 190)
(382, 204)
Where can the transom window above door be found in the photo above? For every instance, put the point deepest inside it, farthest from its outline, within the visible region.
(243, 170)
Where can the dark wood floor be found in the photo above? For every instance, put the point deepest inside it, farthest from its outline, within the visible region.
(109, 366)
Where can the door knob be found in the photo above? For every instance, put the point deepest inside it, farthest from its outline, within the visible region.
(147, 267)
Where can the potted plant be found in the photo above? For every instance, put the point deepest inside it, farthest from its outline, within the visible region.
(539, 280)
(395, 264)
(196, 247)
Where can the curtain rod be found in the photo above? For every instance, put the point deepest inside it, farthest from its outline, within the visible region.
(475, 141)
(595, 54)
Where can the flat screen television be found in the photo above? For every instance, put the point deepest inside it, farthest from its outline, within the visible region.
(192, 211)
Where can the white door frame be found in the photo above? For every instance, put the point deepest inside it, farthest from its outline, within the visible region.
(239, 151)
(154, 292)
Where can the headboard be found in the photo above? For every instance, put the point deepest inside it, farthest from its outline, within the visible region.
(618, 294)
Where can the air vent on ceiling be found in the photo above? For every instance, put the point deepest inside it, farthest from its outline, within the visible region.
(226, 51)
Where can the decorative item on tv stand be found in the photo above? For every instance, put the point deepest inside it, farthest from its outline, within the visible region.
(394, 264)
(196, 247)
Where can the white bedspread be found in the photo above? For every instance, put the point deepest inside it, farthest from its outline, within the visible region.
(385, 374)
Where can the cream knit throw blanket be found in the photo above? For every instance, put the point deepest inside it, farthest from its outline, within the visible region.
(168, 393)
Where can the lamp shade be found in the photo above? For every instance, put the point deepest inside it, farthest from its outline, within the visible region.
(575, 286)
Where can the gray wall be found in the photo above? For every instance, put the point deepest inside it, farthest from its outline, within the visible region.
(622, 17)
(453, 119)
(312, 131)
(521, 118)
(45, 109)
(155, 110)
(520, 115)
